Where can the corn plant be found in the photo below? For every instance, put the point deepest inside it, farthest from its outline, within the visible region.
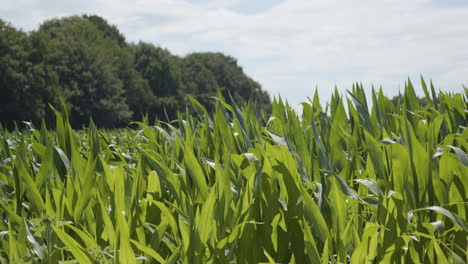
(345, 182)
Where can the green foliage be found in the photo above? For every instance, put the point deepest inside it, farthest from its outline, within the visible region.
(380, 184)
(228, 76)
(110, 31)
(25, 85)
(157, 67)
(87, 62)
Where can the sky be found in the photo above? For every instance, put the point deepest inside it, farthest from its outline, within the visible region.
(292, 47)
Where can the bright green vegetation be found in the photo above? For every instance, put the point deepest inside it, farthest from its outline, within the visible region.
(358, 185)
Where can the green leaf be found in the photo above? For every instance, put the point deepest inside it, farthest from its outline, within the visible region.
(310, 244)
(462, 156)
(72, 245)
(38, 245)
(314, 216)
(149, 251)
(31, 189)
(194, 169)
(372, 185)
(457, 220)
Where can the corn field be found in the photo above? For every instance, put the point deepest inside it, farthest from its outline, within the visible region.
(345, 182)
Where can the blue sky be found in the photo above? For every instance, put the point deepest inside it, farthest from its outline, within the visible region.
(293, 46)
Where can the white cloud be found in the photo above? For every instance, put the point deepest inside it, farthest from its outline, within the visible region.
(297, 44)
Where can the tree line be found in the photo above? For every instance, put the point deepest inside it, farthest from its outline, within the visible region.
(87, 63)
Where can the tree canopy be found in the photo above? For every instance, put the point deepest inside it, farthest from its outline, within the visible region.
(88, 63)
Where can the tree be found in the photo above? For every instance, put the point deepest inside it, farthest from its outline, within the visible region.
(86, 62)
(157, 66)
(138, 93)
(26, 87)
(231, 79)
(108, 31)
(198, 81)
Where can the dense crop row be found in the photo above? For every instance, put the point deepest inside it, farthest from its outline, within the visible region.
(345, 183)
